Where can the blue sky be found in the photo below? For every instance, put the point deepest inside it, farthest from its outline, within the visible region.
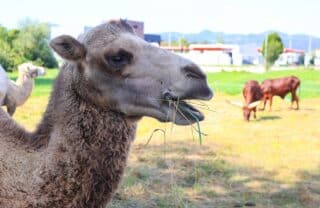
(231, 16)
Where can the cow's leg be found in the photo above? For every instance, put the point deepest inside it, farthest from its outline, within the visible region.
(254, 113)
(264, 103)
(294, 98)
(270, 103)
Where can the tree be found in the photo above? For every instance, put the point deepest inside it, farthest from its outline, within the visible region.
(8, 57)
(183, 42)
(219, 38)
(28, 43)
(32, 43)
(180, 42)
(272, 47)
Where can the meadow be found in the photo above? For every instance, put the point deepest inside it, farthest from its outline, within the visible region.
(273, 161)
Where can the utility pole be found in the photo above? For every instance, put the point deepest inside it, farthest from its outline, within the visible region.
(266, 51)
(310, 44)
(290, 41)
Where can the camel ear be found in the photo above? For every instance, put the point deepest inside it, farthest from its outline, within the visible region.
(236, 103)
(254, 104)
(68, 48)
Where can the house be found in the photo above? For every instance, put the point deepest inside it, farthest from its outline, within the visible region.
(138, 28)
(290, 57)
(317, 58)
(210, 54)
(152, 38)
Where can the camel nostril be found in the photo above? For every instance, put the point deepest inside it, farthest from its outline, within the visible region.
(168, 96)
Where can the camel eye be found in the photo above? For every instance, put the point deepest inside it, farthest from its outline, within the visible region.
(120, 59)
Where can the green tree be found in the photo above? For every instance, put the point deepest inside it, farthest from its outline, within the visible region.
(8, 57)
(183, 42)
(219, 38)
(272, 47)
(180, 42)
(32, 43)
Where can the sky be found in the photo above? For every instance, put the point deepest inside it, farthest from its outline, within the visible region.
(187, 16)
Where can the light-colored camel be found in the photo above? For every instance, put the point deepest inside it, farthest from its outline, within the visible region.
(77, 155)
(3, 84)
(19, 91)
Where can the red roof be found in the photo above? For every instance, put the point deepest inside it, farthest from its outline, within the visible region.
(286, 50)
(291, 50)
(210, 49)
(175, 48)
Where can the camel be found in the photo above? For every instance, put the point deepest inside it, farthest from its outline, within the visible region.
(3, 84)
(78, 153)
(19, 91)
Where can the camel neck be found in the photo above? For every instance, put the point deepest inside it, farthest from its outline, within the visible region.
(87, 151)
(25, 84)
(23, 79)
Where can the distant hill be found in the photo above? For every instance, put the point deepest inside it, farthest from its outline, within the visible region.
(296, 41)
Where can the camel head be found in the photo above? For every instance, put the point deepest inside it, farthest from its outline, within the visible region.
(124, 73)
(31, 70)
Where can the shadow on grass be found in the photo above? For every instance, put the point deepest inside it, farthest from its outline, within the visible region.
(184, 175)
(306, 109)
(266, 118)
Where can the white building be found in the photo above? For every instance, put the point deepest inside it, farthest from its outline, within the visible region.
(211, 54)
(290, 57)
(317, 58)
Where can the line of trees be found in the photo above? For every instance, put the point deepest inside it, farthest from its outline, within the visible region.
(29, 42)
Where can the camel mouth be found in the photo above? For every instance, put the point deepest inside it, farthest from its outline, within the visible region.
(181, 113)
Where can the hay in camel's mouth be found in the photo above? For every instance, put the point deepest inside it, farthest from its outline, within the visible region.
(184, 113)
(189, 112)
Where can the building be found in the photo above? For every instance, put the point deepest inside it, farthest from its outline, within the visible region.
(250, 54)
(210, 54)
(317, 58)
(138, 27)
(152, 38)
(290, 57)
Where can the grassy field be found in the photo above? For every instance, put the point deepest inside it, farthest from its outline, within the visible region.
(273, 161)
(232, 82)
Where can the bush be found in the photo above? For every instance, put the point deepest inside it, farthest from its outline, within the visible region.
(28, 43)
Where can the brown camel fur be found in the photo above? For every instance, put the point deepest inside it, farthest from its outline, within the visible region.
(77, 155)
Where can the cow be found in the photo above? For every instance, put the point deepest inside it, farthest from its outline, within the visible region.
(252, 96)
(280, 87)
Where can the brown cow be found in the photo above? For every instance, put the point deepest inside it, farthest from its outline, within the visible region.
(280, 87)
(252, 95)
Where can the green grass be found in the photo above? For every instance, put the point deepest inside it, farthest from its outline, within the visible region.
(232, 83)
(43, 84)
